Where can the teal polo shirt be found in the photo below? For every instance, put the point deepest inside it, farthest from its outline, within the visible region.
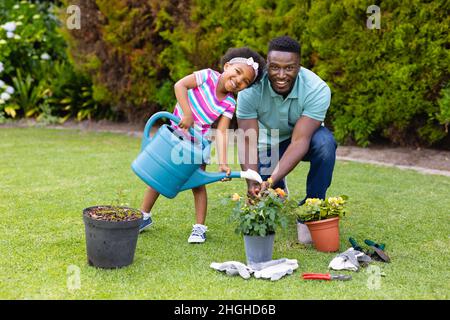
(310, 96)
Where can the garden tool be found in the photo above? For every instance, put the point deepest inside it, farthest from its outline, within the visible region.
(355, 244)
(170, 162)
(326, 276)
(372, 243)
(378, 251)
(379, 254)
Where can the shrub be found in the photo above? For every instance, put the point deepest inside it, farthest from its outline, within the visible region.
(36, 78)
(119, 46)
(387, 83)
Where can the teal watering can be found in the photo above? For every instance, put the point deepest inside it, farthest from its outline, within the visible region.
(169, 162)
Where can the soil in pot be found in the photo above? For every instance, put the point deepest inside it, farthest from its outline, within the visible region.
(111, 235)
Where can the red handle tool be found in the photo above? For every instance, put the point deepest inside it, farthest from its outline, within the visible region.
(325, 276)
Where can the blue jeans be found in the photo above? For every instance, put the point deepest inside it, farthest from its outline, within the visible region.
(321, 156)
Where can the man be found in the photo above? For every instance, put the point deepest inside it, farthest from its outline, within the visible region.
(286, 111)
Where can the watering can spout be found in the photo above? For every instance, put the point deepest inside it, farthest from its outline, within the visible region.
(201, 177)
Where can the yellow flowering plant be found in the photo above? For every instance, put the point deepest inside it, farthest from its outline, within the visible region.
(316, 209)
(261, 215)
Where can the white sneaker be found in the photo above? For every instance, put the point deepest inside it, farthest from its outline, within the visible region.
(146, 221)
(198, 234)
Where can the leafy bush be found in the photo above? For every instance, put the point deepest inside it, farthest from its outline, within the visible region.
(37, 80)
(118, 45)
(25, 41)
(386, 83)
(444, 108)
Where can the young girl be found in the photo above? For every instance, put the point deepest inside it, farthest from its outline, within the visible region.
(204, 97)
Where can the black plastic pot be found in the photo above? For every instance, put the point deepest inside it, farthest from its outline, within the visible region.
(110, 244)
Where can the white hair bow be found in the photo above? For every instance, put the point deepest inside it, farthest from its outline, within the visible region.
(248, 61)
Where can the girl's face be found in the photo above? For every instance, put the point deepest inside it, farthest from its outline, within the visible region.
(237, 76)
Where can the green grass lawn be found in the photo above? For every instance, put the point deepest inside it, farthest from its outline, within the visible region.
(48, 176)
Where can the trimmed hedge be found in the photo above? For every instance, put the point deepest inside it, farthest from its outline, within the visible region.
(389, 83)
(385, 82)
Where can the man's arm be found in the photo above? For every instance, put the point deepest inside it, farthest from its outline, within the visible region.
(248, 150)
(299, 146)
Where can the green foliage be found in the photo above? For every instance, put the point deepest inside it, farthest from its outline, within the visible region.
(72, 94)
(2, 117)
(28, 93)
(34, 69)
(45, 117)
(386, 83)
(26, 40)
(28, 34)
(119, 46)
(261, 215)
(444, 108)
(316, 209)
(165, 96)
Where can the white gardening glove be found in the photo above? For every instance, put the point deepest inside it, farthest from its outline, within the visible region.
(349, 260)
(277, 271)
(233, 268)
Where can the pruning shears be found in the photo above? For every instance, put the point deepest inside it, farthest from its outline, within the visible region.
(326, 276)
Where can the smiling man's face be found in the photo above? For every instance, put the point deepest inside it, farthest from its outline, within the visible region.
(282, 69)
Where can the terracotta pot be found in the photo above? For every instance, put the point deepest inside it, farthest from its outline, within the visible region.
(325, 234)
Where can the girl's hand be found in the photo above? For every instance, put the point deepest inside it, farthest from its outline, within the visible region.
(225, 168)
(186, 122)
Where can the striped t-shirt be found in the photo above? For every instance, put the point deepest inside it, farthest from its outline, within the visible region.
(205, 106)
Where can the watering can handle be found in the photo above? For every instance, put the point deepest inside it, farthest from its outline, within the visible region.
(168, 115)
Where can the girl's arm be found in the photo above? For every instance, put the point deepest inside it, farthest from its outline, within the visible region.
(222, 143)
(181, 88)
